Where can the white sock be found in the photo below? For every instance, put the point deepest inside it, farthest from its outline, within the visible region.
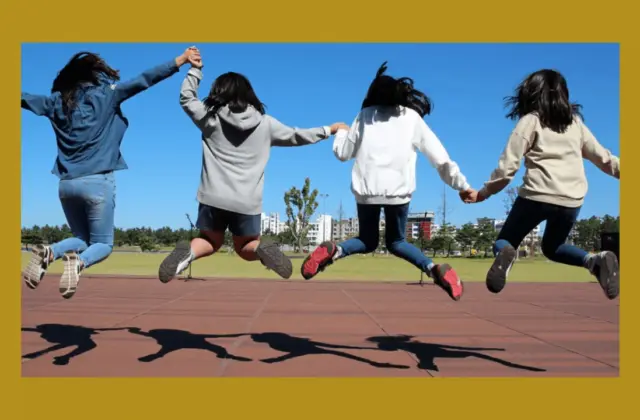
(338, 253)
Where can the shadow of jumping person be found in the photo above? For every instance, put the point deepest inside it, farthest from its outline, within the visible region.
(299, 346)
(428, 352)
(63, 336)
(174, 340)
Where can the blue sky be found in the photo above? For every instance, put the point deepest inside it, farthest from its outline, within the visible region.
(308, 85)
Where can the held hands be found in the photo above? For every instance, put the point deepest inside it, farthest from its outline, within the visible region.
(338, 126)
(190, 55)
(472, 196)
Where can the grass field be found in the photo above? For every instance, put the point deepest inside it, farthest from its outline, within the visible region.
(359, 267)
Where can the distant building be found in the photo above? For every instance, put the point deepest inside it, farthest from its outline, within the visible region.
(270, 223)
(420, 222)
(320, 230)
(347, 228)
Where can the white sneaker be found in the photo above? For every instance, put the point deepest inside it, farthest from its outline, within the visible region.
(37, 267)
(71, 274)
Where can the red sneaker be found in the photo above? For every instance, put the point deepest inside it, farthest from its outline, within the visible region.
(446, 277)
(321, 257)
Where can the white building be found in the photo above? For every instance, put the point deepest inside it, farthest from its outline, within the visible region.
(346, 228)
(270, 223)
(320, 230)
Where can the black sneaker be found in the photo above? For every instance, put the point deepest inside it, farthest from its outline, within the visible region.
(606, 268)
(274, 259)
(175, 263)
(497, 275)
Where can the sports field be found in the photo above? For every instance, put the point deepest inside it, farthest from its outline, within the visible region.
(365, 267)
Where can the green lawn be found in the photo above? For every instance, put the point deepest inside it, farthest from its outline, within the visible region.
(358, 267)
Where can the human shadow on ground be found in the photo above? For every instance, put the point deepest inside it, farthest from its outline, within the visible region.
(298, 346)
(174, 340)
(64, 336)
(428, 352)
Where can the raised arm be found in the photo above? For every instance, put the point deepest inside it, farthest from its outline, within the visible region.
(285, 136)
(189, 101)
(38, 104)
(128, 89)
(347, 140)
(595, 153)
(509, 162)
(429, 145)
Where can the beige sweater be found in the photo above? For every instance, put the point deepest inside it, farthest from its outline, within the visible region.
(554, 162)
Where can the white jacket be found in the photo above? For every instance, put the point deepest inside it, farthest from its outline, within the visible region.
(384, 141)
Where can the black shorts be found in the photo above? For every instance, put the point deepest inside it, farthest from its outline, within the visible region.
(218, 220)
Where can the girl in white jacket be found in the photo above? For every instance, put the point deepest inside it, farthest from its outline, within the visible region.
(384, 140)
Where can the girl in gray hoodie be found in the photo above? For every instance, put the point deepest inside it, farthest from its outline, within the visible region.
(237, 137)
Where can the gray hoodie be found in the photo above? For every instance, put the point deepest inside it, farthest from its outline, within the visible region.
(235, 149)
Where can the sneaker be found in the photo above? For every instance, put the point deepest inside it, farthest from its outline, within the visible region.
(497, 275)
(606, 268)
(37, 267)
(318, 260)
(176, 262)
(274, 259)
(447, 278)
(71, 274)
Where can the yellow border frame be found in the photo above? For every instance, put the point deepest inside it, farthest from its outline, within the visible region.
(327, 21)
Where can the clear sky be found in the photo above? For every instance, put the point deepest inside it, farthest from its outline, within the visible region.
(308, 85)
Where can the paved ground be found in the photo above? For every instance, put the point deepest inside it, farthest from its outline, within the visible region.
(319, 328)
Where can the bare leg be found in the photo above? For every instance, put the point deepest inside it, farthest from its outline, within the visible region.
(246, 247)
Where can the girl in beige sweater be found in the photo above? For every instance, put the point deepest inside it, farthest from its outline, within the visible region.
(554, 141)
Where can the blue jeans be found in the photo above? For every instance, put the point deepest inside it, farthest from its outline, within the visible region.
(88, 203)
(526, 214)
(396, 223)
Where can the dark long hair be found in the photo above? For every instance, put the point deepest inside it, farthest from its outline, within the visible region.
(545, 93)
(83, 68)
(388, 91)
(234, 90)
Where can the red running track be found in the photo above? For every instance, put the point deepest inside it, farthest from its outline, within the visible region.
(266, 328)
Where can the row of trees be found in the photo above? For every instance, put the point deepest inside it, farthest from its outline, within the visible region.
(301, 204)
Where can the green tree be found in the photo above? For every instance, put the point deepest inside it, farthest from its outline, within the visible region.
(486, 236)
(147, 243)
(466, 236)
(301, 204)
(610, 224)
(587, 233)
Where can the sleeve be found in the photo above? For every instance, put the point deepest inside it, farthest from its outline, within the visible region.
(130, 88)
(285, 136)
(189, 101)
(38, 104)
(519, 142)
(345, 142)
(429, 145)
(595, 153)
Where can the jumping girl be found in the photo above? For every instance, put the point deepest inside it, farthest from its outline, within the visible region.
(384, 140)
(237, 137)
(554, 141)
(84, 110)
